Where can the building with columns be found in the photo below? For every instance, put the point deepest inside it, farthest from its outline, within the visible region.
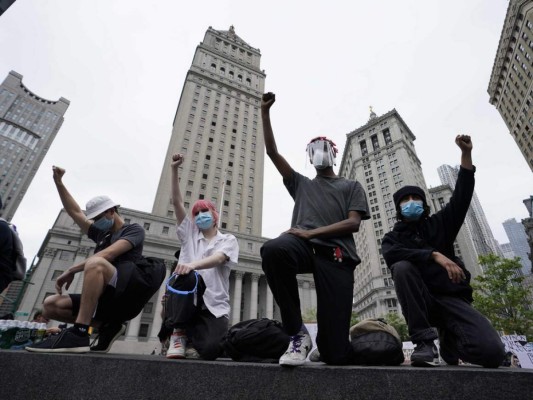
(65, 245)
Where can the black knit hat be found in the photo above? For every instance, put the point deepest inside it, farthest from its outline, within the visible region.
(407, 190)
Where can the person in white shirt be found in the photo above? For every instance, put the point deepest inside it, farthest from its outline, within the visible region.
(210, 253)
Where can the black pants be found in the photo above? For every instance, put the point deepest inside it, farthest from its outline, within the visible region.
(287, 256)
(464, 333)
(204, 330)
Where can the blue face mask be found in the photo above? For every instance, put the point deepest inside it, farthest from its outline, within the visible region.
(103, 224)
(204, 220)
(413, 210)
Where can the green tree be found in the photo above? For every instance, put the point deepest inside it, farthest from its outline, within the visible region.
(500, 295)
(398, 322)
(309, 316)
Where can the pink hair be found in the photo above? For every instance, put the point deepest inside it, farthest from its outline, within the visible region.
(202, 204)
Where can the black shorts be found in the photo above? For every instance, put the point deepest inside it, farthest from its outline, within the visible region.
(136, 284)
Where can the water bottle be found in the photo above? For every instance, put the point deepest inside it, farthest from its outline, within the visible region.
(22, 336)
(8, 335)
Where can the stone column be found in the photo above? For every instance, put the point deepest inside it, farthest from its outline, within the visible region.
(132, 333)
(253, 296)
(269, 303)
(237, 294)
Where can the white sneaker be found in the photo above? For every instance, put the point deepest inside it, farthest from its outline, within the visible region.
(176, 347)
(299, 346)
(191, 353)
(314, 356)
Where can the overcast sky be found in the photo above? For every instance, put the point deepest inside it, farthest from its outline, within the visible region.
(122, 65)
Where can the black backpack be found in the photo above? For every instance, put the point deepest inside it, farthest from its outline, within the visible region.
(376, 343)
(256, 340)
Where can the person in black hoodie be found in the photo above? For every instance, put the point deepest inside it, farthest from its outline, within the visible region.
(432, 283)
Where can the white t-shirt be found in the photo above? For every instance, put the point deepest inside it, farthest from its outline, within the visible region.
(194, 246)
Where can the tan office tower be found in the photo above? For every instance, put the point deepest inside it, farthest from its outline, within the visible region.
(217, 126)
(510, 86)
(28, 126)
(381, 155)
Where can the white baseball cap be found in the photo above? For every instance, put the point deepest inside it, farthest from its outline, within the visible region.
(97, 205)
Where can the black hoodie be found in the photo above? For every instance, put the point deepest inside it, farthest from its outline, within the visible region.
(415, 241)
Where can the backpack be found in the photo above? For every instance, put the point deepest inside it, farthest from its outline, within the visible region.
(376, 343)
(183, 298)
(256, 340)
(19, 266)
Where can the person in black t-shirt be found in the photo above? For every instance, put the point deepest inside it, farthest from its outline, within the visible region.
(111, 278)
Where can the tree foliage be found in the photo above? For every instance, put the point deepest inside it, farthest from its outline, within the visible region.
(398, 322)
(500, 295)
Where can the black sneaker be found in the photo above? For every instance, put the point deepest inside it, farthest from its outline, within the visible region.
(107, 334)
(425, 355)
(64, 342)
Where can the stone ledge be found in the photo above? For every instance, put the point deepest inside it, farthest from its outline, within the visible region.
(67, 376)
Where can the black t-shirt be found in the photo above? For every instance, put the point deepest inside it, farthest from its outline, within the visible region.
(7, 260)
(133, 233)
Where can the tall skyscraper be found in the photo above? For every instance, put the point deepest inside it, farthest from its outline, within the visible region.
(518, 240)
(28, 126)
(507, 250)
(476, 224)
(510, 82)
(381, 155)
(464, 244)
(217, 126)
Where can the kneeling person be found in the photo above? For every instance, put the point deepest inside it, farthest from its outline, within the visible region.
(117, 280)
(211, 253)
(431, 282)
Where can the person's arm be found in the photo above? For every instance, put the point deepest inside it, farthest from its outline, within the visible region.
(211, 261)
(465, 144)
(270, 143)
(394, 250)
(341, 228)
(177, 199)
(71, 206)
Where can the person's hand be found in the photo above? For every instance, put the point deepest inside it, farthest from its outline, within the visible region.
(464, 142)
(53, 330)
(58, 173)
(183, 269)
(301, 233)
(65, 279)
(267, 100)
(177, 160)
(455, 273)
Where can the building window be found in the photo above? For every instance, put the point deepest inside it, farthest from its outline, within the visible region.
(56, 273)
(143, 330)
(364, 150)
(148, 308)
(146, 226)
(165, 230)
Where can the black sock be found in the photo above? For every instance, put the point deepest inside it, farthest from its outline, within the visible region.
(81, 329)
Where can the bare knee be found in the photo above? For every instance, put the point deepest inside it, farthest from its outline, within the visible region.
(99, 266)
(55, 306)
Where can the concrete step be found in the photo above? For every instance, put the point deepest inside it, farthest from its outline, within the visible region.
(31, 376)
